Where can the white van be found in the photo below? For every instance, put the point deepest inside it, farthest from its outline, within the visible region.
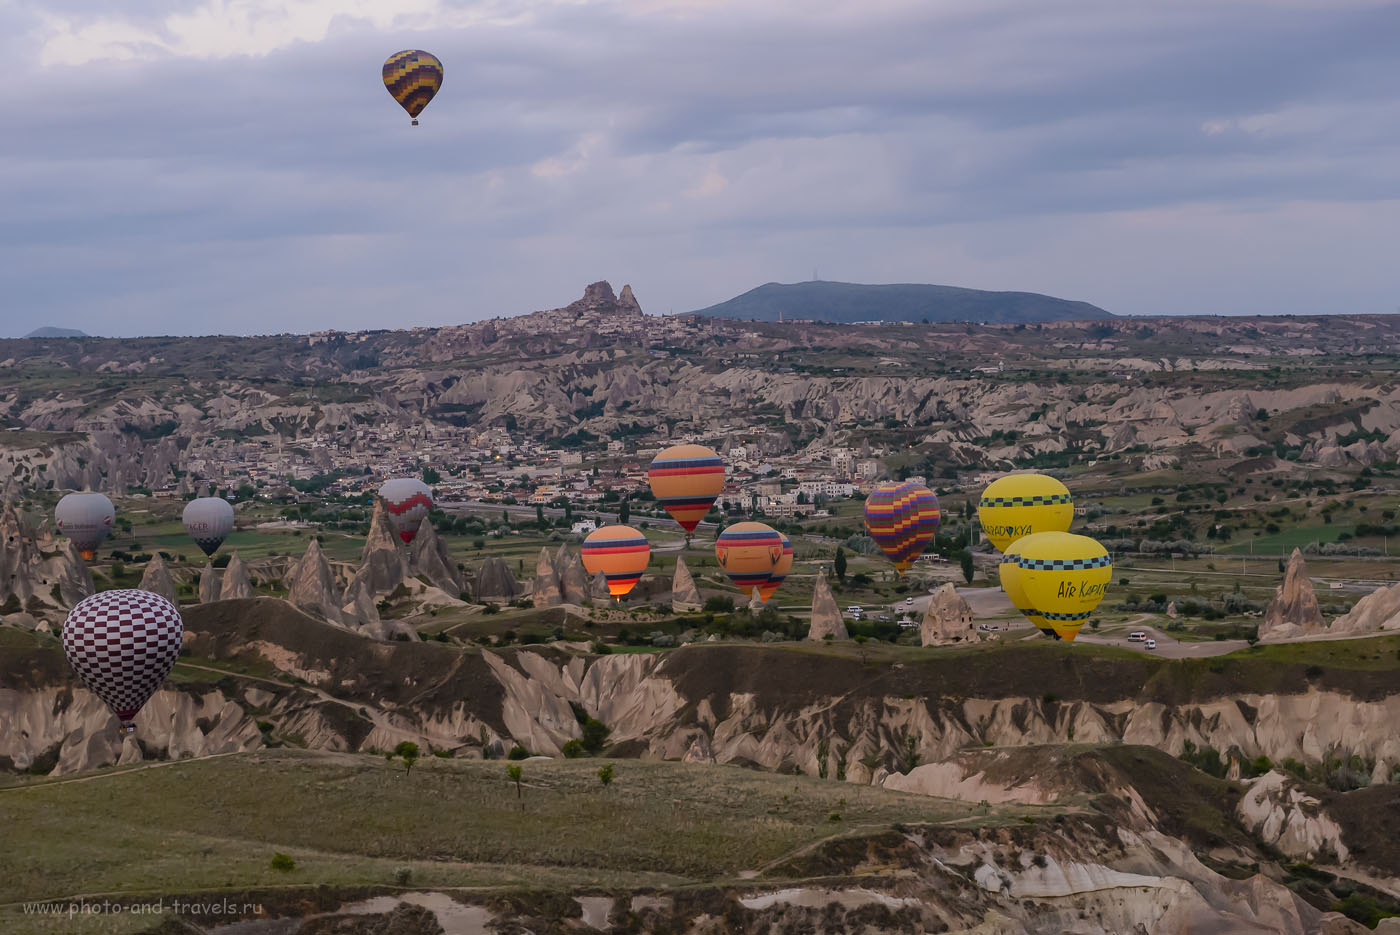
(1151, 644)
(1137, 636)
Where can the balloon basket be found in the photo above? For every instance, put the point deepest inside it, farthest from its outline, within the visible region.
(415, 122)
(127, 728)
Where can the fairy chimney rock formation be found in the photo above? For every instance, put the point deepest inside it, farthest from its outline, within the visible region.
(826, 616)
(235, 585)
(495, 583)
(311, 585)
(948, 619)
(1293, 612)
(685, 596)
(382, 564)
(156, 579)
(546, 591)
(209, 584)
(428, 556)
(573, 579)
(1379, 610)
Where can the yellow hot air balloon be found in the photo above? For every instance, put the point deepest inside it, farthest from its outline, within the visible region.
(1064, 577)
(1020, 504)
(1010, 572)
(621, 553)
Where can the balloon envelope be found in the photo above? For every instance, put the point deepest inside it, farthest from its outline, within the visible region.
(123, 644)
(86, 519)
(686, 479)
(749, 553)
(413, 78)
(408, 500)
(1064, 577)
(621, 553)
(1010, 573)
(779, 573)
(902, 518)
(208, 520)
(1021, 504)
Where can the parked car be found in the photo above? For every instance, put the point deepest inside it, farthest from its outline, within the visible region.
(908, 600)
(1151, 644)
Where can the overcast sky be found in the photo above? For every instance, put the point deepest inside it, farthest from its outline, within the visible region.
(236, 166)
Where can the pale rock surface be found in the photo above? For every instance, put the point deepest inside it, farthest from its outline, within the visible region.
(598, 588)
(546, 591)
(1282, 814)
(1379, 610)
(382, 563)
(209, 584)
(1294, 611)
(573, 577)
(826, 616)
(156, 579)
(311, 585)
(235, 584)
(429, 557)
(23, 621)
(71, 574)
(1172, 612)
(685, 595)
(948, 619)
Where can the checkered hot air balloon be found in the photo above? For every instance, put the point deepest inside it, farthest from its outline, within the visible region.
(413, 78)
(780, 572)
(1064, 577)
(408, 500)
(621, 553)
(208, 520)
(123, 644)
(902, 518)
(749, 553)
(86, 519)
(686, 479)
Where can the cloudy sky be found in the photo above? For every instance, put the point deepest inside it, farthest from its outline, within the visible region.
(236, 166)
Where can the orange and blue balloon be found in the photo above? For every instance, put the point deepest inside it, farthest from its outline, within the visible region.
(413, 77)
(902, 518)
(779, 573)
(686, 479)
(749, 553)
(621, 553)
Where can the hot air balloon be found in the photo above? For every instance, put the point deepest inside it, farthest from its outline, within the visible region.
(1064, 577)
(85, 518)
(408, 500)
(749, 553)
(780, 572)
(413, 78)
(686, 479)
(208, 520)
(902, 518)
(122, 644)
(1020, 504)
(621, 553)
(1010, 572)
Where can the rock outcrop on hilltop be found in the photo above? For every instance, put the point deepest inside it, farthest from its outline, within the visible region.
(545, 591)
(948, 619)
(598, 588)
(429, 557)
(156, 579)
(383, 566)
(494, 581)
(826, 616)
(68, 575)
(1379, 610)
(1294, 610)
(311, 585)
(19, 559)
(235, 584)
(685, 595)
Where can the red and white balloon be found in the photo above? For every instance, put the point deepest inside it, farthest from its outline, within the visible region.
(408, 500)
(123, 644)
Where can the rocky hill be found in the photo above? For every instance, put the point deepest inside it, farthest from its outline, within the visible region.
(851, 302)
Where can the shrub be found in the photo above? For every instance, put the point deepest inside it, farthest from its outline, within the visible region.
(605, 774)
(573, 749)
(595, 733)
(517, 752)
(402, 875)
(719, 604)
(283, 863)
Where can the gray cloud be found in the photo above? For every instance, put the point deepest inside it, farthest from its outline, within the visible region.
(1152, 158)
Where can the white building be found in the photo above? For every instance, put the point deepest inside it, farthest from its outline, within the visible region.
(583, 527)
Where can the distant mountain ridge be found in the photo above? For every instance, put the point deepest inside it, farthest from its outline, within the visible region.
(852, 302)
(48, 331)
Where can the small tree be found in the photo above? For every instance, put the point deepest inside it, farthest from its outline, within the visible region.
(840, 564)
(966, 559)
(605, 774)
(516, 772)
(408, 750)
(624, 511)
(860, 640)
(595, 732)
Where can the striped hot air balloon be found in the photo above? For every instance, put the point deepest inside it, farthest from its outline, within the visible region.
(686, 479)
(408, 500)
(413, 77)
(621, 553)
(1019, 504)
(1010, 572)
(902, 518)
(1065, 577)
(780, 572)
(749, 553)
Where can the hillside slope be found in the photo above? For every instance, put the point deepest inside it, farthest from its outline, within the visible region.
(849, 302)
